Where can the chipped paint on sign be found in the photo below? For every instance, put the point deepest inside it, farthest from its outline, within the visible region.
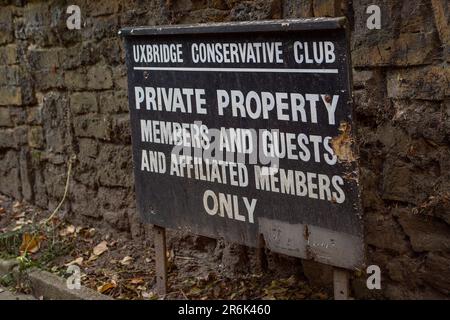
(343, 144)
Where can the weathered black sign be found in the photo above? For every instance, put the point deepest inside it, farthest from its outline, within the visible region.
(245, 129)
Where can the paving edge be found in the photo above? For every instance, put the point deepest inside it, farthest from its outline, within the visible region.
(48, 285)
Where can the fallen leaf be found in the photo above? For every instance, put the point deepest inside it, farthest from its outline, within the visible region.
(126, 261)
(137, 281)
(30, 243)
(2, 210)
(195, 291)
(92, 257)
(100, 248)
(68, 230)
(170, 255)
(78, 261)
(89, 233)
(19, 215)
(107, 286)
(18, 227)
(149, 295)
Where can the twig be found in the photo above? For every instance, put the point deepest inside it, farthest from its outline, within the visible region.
(66, 189)
(184, 295)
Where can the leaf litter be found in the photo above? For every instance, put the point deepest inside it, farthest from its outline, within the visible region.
(115, 265)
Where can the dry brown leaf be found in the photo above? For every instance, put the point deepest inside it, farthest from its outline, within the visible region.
(137, 281)
(30, 243)
(149, 295)
(18, 227)
(92, 257)
(19, 215)
(90, 233)
(126, 261)
(107, 286)
(78, 261)
(170, 254)
(100, 248)
(2, 210)
(68, 230)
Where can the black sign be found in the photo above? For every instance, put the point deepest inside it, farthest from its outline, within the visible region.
(245, 129)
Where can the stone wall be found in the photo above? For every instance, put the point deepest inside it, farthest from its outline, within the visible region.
(63, 96)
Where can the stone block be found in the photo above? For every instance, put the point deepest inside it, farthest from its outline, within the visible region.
(100, 27)
(34, 115)
(36, 137)
(8, 54)
(88, 148)
(55, 177)
(115, 166)
(83, 102)
(48, 79)
(401, 182)
(121, 129)
(425, 83)
(75, 79)
(7, 138)
(120, 77)
(20, 136)
(80, 54)
(10, 96)
(256, 10)
(99, 77)
(117, 219)
(113, 101)
(44, 59)
(58, 136)
(9, 75)
(102, 7)
(87, 165)
(404, 39)
(298, 9)
(6, 25)
(384, 233)
(425, 233)
(327, 8)
(10, 174)
(5, 118)
(421, 119)
(92, 126)
(436, 271)
(83, 201)
(26, 179)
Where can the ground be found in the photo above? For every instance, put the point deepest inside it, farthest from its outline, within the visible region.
(6, 294)
(123, 268)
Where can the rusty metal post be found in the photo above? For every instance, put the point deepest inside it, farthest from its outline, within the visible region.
(341, 280)
(160, 260)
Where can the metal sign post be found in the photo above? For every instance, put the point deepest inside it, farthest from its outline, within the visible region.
(244, 131)
(160, 259)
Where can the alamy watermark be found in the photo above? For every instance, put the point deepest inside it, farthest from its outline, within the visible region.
(73, 22)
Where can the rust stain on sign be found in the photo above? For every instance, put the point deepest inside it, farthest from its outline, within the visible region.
(342, 144)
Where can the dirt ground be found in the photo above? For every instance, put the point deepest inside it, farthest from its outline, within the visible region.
(116, 265)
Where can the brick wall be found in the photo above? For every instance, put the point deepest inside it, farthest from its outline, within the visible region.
(63, 95)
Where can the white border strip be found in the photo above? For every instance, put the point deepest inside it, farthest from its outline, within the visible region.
(270, 70)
